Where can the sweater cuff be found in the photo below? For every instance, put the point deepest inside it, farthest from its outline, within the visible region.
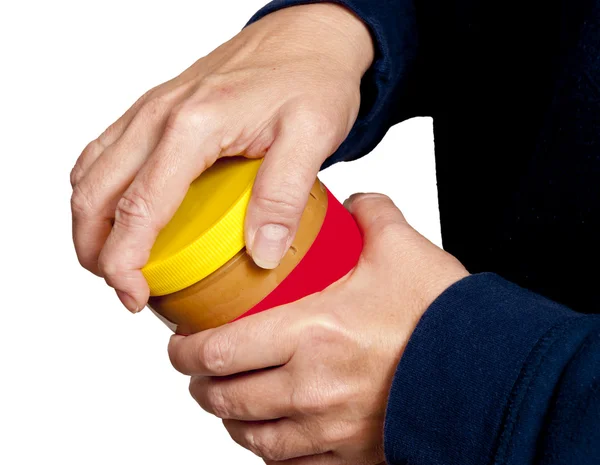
(463, 370)
(384, 88)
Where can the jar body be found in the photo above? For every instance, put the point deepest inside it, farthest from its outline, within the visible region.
(327, 246)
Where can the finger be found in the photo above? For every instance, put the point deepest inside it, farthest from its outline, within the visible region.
(377, 217)
(373, 210)
(264, 340)
(283, 185)
(255, 396)
(190, 144)
(96, 194)
(277, 440)
(95, 148)
(328, 458)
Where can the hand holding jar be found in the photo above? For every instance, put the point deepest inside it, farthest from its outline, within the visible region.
(287, 88)
(308, 383)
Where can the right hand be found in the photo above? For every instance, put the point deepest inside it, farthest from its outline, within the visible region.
(287, 88)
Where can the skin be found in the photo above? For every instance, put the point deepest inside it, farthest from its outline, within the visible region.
(286, 88)
(305, 383)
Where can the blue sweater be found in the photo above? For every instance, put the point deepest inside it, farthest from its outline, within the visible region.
(504, 367)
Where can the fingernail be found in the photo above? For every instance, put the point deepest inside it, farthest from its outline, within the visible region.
(348, 202)
(128, 301)
(270, 243)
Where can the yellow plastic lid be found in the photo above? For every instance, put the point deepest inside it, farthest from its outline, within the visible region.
(206, 231)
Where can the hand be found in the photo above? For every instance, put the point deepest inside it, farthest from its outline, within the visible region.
(287, 86)
(309, 381)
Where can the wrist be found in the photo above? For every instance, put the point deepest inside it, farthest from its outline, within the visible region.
(350, 28)
(431, 284)
(326, 29)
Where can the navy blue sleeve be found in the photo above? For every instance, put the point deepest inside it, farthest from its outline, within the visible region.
(388, 95)
(493, 373)
(496, 374)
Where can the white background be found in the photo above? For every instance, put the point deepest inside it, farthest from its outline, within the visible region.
(82, 380)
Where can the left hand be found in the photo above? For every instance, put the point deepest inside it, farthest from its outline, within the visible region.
(309, 381)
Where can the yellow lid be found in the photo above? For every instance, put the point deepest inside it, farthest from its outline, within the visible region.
(206, 231)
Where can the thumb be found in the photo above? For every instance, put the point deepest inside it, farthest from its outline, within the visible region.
(279, 196)
(375, 215)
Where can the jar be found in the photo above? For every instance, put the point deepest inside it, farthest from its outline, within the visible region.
(199, 273)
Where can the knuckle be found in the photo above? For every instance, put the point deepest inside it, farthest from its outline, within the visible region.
(216, 353)
(265, 444)
(285, 202)
(91, 150)
(133, 211)
(144, 98)
(220, 85)
(215, 80)
(193, 387)
(179, 121)
(324, 328)
(189, 118)
(75, 175)
(94, 147)
(110, 268)
(324, 334)
(81, 202)
(108, 135)
(153, 108)
(87, 260)
(149, 94)
(217, 404)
